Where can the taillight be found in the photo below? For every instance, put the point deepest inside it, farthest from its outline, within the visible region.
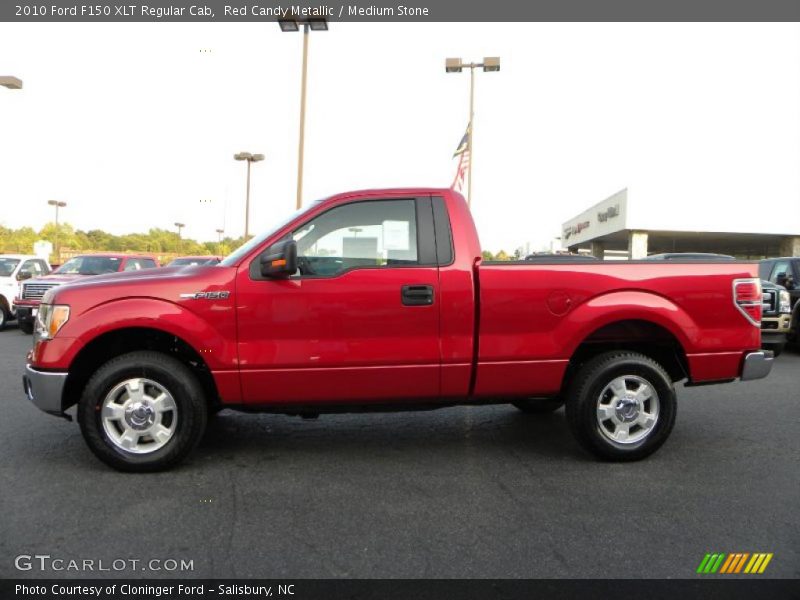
(747, 297)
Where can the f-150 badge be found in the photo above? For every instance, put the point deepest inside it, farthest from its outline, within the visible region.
(207, 296)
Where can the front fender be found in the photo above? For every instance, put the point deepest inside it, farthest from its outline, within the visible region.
(211, 340)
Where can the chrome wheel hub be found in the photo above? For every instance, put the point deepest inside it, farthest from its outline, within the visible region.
(139, 416)
(627, 409)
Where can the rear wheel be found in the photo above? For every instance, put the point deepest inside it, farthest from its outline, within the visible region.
(621, 406)
(26, 327)
(539, 406)
(5, 316)
(143, 411)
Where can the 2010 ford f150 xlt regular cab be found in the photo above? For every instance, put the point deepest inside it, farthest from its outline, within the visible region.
(380, 300)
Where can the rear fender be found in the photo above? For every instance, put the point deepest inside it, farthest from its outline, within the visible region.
(628, 306)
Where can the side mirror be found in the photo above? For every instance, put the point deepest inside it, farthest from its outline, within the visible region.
(23, 275)
(280, 260)
(781, 279)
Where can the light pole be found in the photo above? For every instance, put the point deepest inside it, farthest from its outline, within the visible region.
(179, 226)
(12, 83)
(250, 158)
(219, 240)
(288, 26)
(456, 65)
(58, 204)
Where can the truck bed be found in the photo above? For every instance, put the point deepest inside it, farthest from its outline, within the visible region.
(534, 315)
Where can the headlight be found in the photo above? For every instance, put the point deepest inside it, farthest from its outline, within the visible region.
(50, 320)
(785, 302)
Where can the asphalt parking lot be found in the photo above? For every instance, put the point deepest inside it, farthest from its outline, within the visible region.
(458, 492)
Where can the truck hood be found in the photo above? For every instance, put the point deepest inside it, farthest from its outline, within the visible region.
(168, 283)
(56, 278)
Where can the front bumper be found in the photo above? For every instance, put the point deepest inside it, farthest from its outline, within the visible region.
(45, 389)
(26, 312)
(757, 365)
(780, 324)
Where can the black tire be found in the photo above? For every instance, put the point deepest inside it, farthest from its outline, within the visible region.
(26, 327)
(539, 406)
(584, 398)
(167, 372)
(5, 317)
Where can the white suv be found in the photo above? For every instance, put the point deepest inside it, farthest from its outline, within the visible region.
(13, 269)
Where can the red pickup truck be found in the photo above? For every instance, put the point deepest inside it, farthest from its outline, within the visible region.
(380, 300)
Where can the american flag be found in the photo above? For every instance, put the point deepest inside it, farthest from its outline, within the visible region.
(463, 162)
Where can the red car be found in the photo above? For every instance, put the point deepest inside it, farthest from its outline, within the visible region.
(380, 300)
(32, 290)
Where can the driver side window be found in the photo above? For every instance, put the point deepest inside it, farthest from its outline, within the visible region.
(374, 233)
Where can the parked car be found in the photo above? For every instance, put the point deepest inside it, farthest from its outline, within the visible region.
(776, 317)
(13, 269)
(379, 300)
(26, 304)
(689, 256)
(784, 271)
(185, 261)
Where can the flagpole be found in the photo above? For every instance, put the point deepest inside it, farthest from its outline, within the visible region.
(456, 65)
(471, 132)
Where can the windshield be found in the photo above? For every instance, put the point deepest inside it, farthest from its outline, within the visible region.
(90, 265)
(7, 266)
(245, 249)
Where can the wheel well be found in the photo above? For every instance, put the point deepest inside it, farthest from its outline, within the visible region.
(4, 304)
(121, 341)
(645, 337)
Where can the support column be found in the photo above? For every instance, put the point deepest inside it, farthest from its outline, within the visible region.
(790, 246)
(599, 249)
(637, 245)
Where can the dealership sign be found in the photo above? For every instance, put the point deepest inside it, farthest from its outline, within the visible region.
(609, 213)
(575, 229)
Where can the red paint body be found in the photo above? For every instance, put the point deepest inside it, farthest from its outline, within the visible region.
(493, 331)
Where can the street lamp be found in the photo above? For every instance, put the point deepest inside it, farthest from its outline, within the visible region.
(289, 26)
(12, 83)
(250, 158)
(179, 226)
(456, 65)
(219, 240)
(58, 204)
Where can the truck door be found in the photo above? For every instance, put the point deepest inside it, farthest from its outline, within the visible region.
(359, 321)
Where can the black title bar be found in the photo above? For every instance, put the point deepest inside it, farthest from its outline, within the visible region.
(232, 11)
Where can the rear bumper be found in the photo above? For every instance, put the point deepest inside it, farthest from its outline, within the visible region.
(757, 365)
(44, 389)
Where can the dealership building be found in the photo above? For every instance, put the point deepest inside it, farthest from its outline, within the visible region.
(618, 227)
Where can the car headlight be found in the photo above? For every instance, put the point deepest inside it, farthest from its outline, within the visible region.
(785, 302)
(50, 320)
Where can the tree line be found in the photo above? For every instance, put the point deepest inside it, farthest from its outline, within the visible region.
(156, 241)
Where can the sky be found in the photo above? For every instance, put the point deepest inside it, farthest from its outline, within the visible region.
(135, 125)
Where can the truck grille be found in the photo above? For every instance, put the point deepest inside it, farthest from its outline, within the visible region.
(35, 291)
(769, 301)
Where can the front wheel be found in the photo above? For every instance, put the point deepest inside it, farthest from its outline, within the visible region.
(143, 411)
(621, 406)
